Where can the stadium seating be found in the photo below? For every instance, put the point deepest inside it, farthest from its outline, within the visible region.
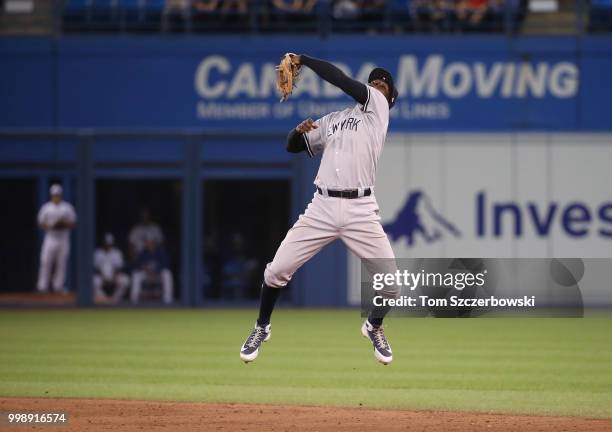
(393, 16)
(397, 15)
(112, 15)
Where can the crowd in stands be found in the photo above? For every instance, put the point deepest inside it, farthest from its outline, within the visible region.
(312, 16)
(294, 15)
(462, 15)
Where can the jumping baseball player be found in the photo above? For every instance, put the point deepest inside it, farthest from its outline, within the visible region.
(57, 218)
(343, 205)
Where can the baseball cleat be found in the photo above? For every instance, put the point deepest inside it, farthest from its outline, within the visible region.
(382, 349)
(250, 349)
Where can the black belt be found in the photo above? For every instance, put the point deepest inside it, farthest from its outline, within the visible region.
(347, 193)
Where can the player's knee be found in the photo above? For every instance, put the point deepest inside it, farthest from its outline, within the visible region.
(275, 280)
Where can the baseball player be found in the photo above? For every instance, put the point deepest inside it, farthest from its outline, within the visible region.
(56, 218)
(144, 229)
(343, 205)
(108, 266)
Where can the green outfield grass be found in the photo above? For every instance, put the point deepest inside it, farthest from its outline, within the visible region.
(315, 357)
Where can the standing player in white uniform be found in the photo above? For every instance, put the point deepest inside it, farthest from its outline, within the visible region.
(344, 205)
(56, 218)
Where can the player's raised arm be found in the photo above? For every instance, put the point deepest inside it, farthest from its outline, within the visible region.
(335, 76)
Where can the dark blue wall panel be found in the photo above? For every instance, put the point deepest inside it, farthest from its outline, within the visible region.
(27, 82)
(246, 150)
(37, 150)
(138, 150)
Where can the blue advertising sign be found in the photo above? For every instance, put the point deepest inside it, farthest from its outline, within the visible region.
(445, 84)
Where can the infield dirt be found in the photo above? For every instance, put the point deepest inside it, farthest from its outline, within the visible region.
(114, 415)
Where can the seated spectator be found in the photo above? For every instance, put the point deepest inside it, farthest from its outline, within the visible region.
(346, 9)
(359, 15)
(445, 15)
(239, 6)
(470, 14)
(432, 16)
(295, 6)
(152, 267)
(207, 6)
(141, 231)
(372, 14)
(494, 16)
(108, 265)
(205, 15)
(233, 16)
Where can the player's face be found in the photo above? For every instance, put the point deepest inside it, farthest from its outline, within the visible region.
(382, 86)
(56, 198)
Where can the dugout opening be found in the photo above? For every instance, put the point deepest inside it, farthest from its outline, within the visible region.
(19, 248)
(244, 222)
(124, 204)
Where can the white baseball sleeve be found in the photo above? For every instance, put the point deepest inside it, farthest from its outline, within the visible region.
(315, 139)
(377, 104)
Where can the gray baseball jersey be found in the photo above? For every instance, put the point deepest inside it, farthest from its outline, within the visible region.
(351, 142)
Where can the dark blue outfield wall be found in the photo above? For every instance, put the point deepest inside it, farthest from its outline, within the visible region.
(448, 84)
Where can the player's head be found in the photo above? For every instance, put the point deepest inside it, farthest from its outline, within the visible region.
(56, 192)
(382, 80)
(109, 240)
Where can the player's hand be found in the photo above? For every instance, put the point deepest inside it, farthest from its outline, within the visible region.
(306, 126)
(296, 59)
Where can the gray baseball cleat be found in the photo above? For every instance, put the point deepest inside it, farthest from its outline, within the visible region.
(382, 349)
(250, 348)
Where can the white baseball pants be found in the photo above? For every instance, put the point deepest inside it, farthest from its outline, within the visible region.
(53, 255)
(355, 221)
(121, 282)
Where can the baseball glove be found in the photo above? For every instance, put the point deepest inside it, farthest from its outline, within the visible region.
(287, 74)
